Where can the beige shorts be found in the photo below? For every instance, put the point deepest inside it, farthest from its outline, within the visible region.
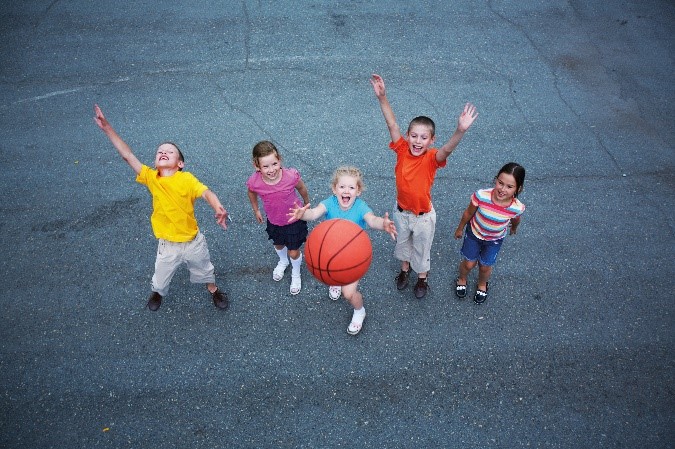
(415, 236)
(170, 255)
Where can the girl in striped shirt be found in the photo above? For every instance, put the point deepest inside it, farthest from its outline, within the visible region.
(484, 224)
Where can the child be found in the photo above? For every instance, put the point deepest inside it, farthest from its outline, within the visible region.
(173, 220)
(416, 165)
(488, 215)
(277, 186)
(347, 186)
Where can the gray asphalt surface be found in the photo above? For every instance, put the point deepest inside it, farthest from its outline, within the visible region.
(574, 347)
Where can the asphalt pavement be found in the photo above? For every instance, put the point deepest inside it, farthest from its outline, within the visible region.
(575, 345)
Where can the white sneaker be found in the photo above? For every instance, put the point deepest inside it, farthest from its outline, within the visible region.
(357, 323)
(278, 273)
(334, 292)
(296, 284)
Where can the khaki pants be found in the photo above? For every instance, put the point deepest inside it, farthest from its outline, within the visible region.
(170, 255)
(415, 236)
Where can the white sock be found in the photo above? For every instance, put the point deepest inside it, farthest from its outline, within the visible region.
(360, 312)
(295, 264)
(283, 254)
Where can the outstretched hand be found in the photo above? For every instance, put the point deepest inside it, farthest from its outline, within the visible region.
(467, 117)
(378, 85)
(100, 119)
(388, 226)
(222, 217)
(296, 212)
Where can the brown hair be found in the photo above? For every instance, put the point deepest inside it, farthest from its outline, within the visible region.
(262, 149)
(425, 121)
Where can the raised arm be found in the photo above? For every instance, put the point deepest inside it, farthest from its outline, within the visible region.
(464, 122)
(381, 223)
(305, 213)
(389, 117)
(214, 202)
(122, 148)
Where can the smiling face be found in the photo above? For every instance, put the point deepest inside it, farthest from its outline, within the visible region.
(420, 139)
(346, 189)
(270, 168)
(168, 158)
(505, 189)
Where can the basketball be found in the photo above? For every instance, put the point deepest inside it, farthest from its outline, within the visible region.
(338, 252)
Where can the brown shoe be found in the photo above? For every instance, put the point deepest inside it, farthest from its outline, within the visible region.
(155, 301)
(220, 299)
(402, 279)
(421, 288)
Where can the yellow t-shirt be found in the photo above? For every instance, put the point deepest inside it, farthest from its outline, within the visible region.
(173, 199)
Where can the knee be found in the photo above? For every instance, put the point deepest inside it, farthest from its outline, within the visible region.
(485, 268)
(294, 253)
(469, 265)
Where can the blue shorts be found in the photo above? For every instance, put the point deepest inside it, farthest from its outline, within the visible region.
(483, 251)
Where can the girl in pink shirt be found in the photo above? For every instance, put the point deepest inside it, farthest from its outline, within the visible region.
(278, 187)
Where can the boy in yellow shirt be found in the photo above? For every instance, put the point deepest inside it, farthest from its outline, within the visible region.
(173, 220)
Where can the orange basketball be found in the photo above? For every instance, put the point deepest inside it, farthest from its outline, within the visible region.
(338, 252)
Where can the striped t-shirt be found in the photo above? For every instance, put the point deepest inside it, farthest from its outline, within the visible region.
(491, 221)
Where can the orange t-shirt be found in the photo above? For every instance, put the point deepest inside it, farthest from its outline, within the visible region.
(414, 177)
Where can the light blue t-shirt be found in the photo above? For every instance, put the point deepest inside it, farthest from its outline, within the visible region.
(355, 213)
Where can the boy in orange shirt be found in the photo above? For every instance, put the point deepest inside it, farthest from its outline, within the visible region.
(173, 220)
(416, 165)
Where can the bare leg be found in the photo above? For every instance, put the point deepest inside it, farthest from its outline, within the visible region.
(293, 253)
(353, 295)
(465, 268)
(483, 276)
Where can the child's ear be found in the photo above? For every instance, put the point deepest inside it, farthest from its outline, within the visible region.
(181, 164)
(255, 165)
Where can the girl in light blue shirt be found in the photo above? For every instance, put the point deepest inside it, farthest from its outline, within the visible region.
(347, 186)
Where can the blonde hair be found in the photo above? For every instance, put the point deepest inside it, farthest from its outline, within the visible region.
(262, 149)
(347, 170)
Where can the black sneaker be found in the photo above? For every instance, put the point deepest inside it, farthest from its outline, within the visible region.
(460, 290)
(402, 279)
(421, 288)
(220, 299)
(481, 295)
(155, 301)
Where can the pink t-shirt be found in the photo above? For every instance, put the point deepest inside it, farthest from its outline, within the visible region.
(277, 199)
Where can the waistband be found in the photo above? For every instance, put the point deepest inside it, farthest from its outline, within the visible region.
(400, 209)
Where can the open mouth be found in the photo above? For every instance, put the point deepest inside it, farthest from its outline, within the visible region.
(345, 199)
